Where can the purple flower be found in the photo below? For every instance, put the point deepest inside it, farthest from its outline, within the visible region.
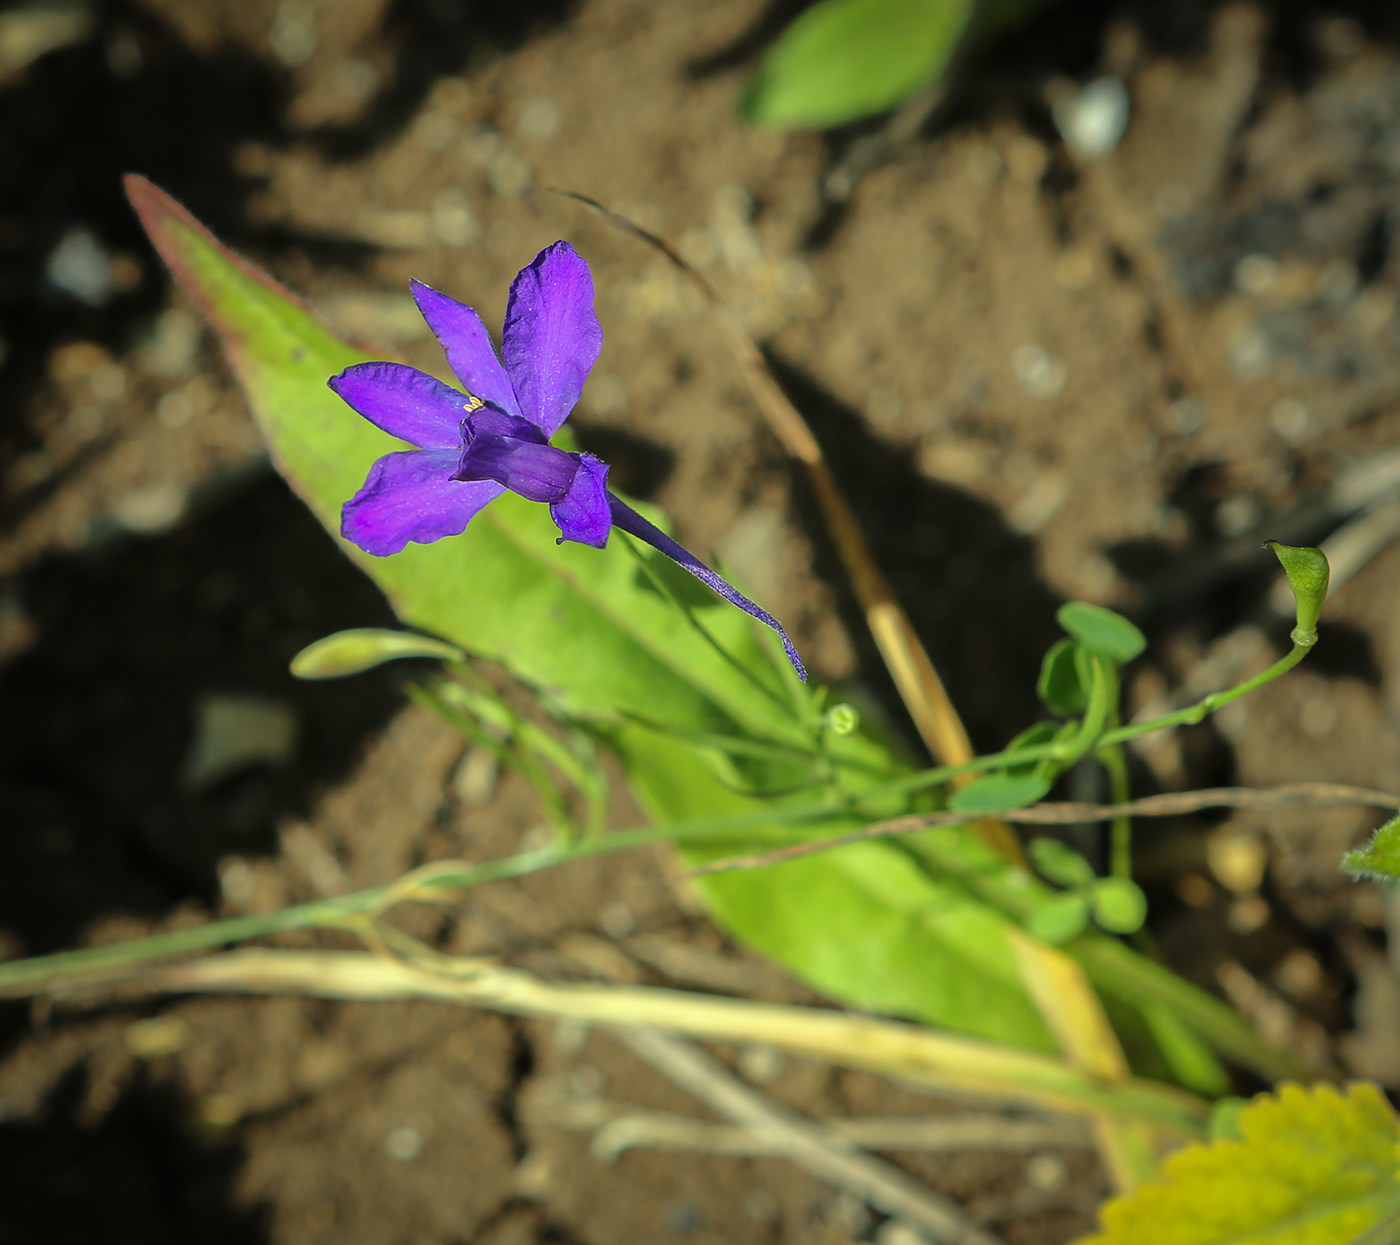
(492, 435)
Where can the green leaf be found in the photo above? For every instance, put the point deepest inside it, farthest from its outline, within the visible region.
(1060, 686)
(1380, 858)
(1190, 1059)
(363, 648)
(589, 629)
(844, 59)
(1101, 631)
(1313, 1166)
(1119, 905)
(583, 622)
(1000, 791)
(1058, 920)
(1031, 737)
(871, 928)
(1308, 574)
(1061, 864)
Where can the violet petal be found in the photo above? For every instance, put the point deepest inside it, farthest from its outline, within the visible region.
(488, 421)
(630, 521)
(467, 344)
(411, 495)
(551, 338)
(405, 402)
(583, 513)
(536, 472)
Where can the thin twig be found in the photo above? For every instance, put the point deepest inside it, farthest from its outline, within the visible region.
(1172, 804)
(904, 655)
(619, 1126)
(821, 1151)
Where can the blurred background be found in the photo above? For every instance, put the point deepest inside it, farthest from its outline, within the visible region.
(1116, 305)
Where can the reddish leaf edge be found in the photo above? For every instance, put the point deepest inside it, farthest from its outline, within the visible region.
(161, 216)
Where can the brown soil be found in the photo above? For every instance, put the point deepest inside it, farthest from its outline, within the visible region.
(1037, 379)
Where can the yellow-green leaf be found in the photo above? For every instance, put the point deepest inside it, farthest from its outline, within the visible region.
(1314, 1166)
(844, 59)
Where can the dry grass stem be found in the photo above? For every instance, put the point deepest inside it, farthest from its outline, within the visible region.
(904, 655)
(1075, 1016)
(814, 1147)
(620, 1126)
(919, 1056)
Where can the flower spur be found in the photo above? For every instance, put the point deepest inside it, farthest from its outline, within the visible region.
(491, 436)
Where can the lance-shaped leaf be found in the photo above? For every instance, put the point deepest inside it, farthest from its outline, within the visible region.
(844, 59)
(872, 926)
(590, 628)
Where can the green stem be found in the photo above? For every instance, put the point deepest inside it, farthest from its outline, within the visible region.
(1217, 700)
(1120, 852)
(1117, 735)
(1103, 705)
(665, 590)
(34, 974)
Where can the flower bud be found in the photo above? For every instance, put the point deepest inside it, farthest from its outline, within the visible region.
(350, 652)
(842, 719)
(1308, 573)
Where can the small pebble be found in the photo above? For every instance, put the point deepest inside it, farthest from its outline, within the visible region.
(160, 1035)
(539, 119)
(294, 39)
(508, 175)
(404, 1143)
(1047, 1172)
(1251, 354)
(1186, 416)
(761, 1063)
(1195, 890)
(474, 779)
(1290, 419)
(896, 1232)
(235, 731)
(1092, 122)
(434, 130)
(453, 221)
(1074, 269)
(1318, 717)
(170, 348)
(1236, 515)
(617, 920)
(151, 510)
(238, 882)
(480, 143)
(1299, 973)
(1248, 914)
(1256, 274)
(80, 267)
(1040, 374)
(108, 382)
(220, 1110)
